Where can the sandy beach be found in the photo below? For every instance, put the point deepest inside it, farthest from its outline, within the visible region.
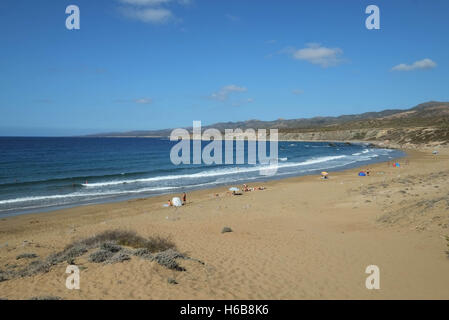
(300, 238)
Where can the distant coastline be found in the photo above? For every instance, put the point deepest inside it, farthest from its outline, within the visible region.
(424, 124)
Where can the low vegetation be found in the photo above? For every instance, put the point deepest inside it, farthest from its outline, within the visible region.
(46, 298)
(108, 247)
(127, 239)
(27, 256)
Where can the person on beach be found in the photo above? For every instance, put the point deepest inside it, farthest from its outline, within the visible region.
(184, 198)
(170, 204)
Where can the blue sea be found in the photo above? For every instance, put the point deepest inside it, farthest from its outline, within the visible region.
(41, 174)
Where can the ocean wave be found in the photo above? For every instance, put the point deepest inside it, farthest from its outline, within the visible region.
(86, 195)
(70, 180)
(213, 173)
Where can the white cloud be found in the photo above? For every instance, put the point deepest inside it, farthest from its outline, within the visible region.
(223, 93)
(154, 2)
(137, 101)
(421, 64)
(143, 101)
(145, 2)
(151, 11)
(149, 15)
(317, 54)
(297, 91)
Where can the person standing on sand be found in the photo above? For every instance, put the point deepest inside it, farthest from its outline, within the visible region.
(184, 198)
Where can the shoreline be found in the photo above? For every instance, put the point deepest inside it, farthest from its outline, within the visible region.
(162, 199)
(301, 238)
(124, 198)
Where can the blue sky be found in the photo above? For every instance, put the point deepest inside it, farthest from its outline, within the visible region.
(152, 64)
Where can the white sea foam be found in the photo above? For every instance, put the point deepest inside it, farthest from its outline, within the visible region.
(212, 173)
(86, 194)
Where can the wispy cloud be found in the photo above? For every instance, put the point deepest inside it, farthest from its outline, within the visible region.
(149, 15)
(231, 17)
(151, 11)
(297, 91)
(315, 53)
(145, 2)
(185, 2)
(223, 93)
(242, 102)
(421, 64)
(154, 2)
(137, 101)
(143, 101)
(270, 41)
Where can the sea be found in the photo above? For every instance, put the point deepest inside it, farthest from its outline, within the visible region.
(41, 174)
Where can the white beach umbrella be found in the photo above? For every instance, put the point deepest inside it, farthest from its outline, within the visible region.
(176, 202)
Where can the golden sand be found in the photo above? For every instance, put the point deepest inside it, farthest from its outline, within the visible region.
(301, 238)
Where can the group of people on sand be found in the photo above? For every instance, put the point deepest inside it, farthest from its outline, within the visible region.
(247, 189)
(367, 172)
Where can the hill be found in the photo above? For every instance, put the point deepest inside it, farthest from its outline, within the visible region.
(425, 123)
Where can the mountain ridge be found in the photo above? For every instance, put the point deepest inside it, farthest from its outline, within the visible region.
(434, 114)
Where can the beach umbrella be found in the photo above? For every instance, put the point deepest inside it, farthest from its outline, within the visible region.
(234, 189)
(324, 173)
(176, 201)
